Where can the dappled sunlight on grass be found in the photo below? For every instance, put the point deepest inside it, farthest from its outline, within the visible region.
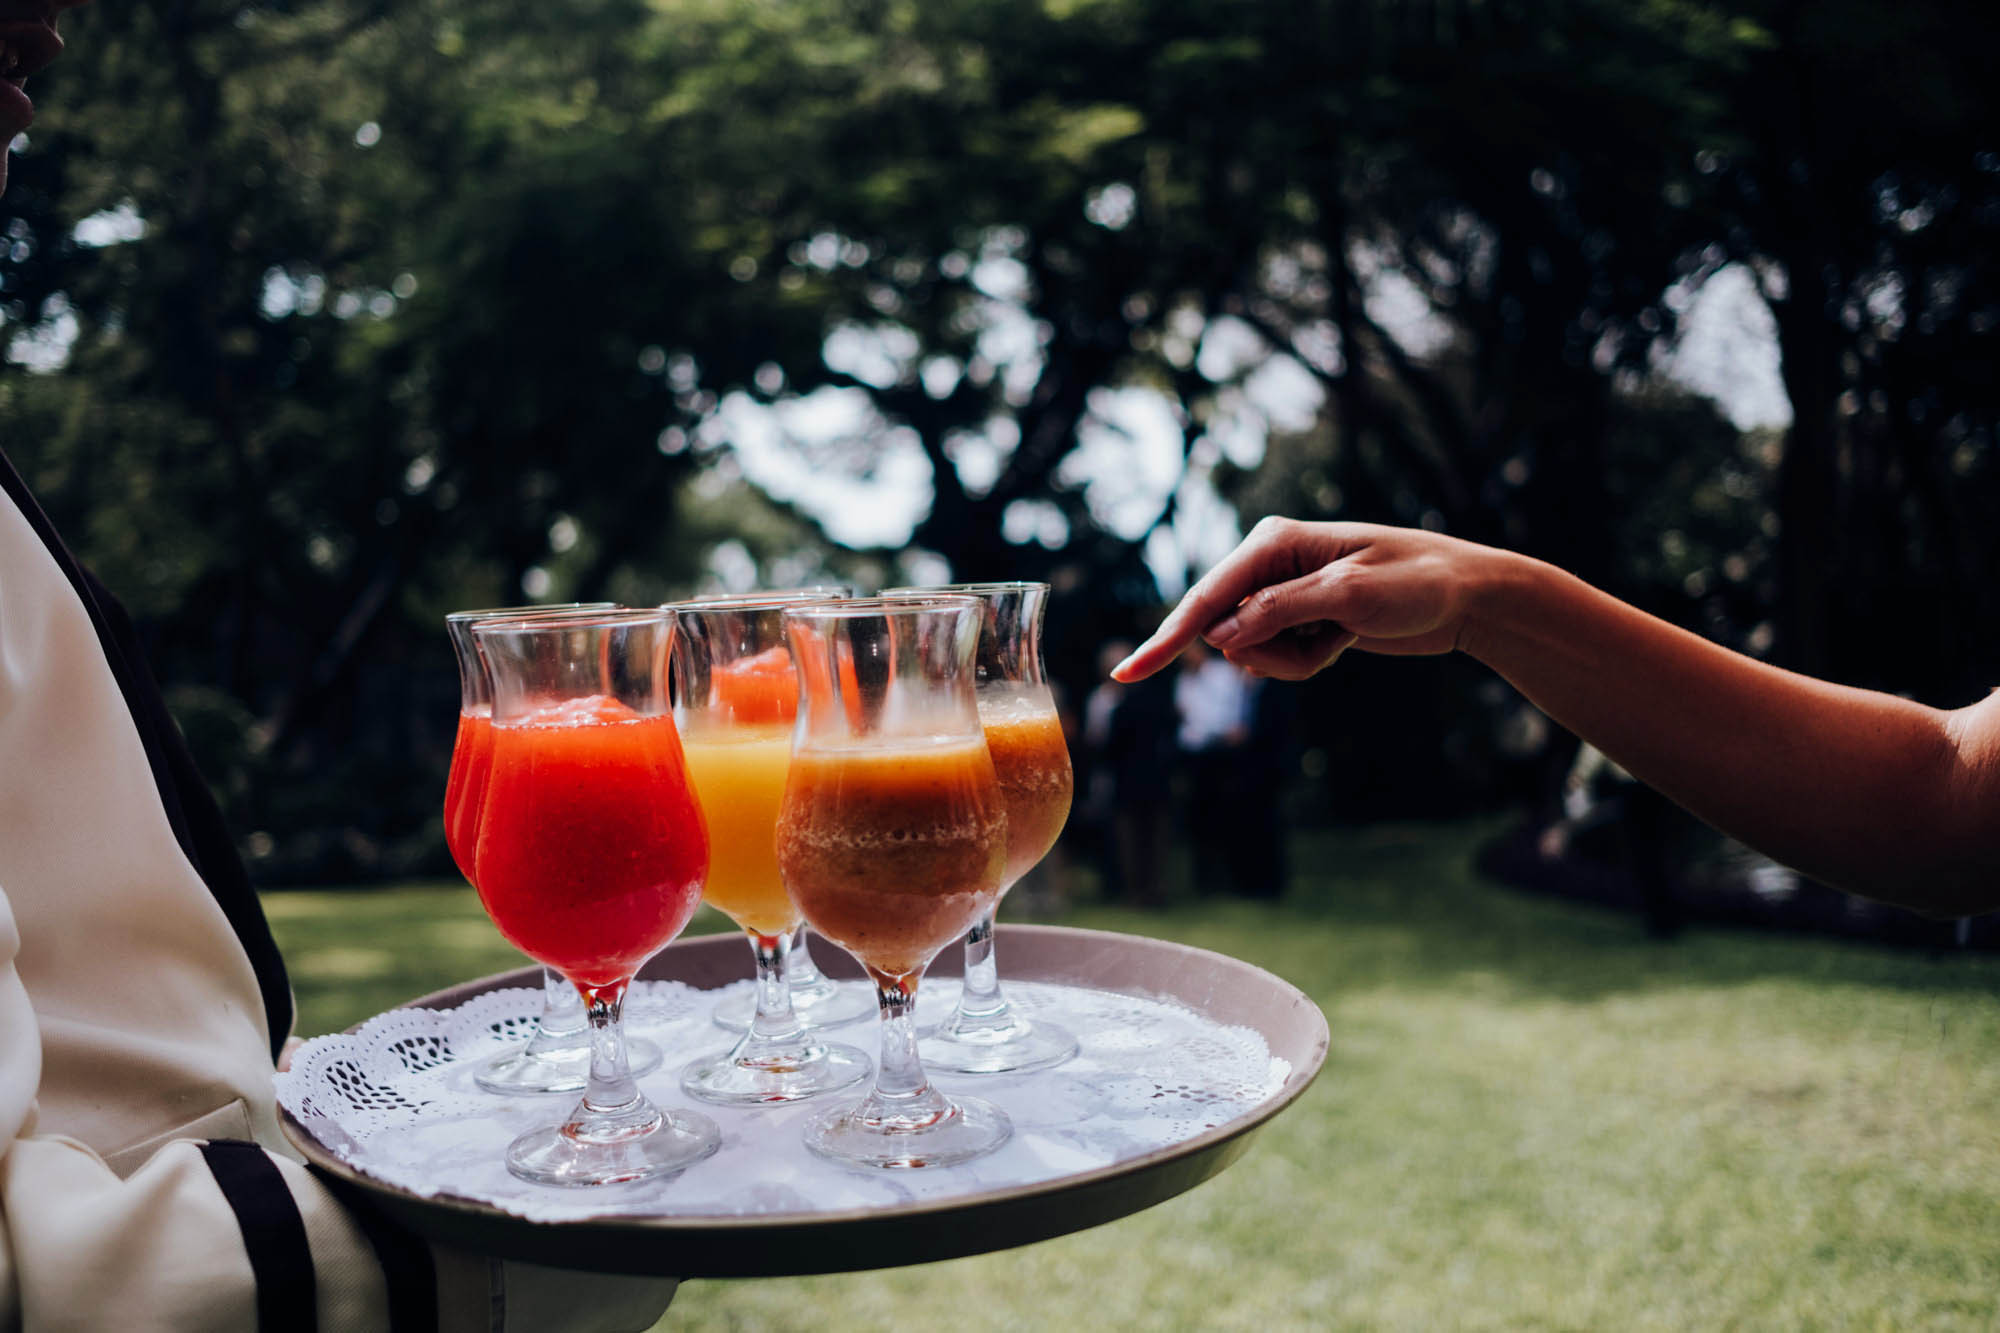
(1532, 1116)
(460, 935)
(355, 952)
(339, 964)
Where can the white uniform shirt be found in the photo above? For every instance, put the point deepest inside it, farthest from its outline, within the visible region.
(1213, 700)
(144, 1181)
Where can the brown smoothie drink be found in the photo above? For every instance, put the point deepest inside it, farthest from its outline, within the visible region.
(892, 851)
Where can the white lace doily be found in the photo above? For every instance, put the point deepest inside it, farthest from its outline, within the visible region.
(396, 1101)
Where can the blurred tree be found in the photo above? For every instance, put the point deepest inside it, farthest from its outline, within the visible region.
(350, 335)
(1446, 229)
(1863, 186)
(333, 315)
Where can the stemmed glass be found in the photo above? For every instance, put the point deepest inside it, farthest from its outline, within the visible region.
(590, 859)
(556, 1057)
(892, 839)
(985, 1035)
(818, 1001)
(735, 698)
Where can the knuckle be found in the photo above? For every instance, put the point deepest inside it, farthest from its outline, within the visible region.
(1273, 527)
(1350, 593)
(1264, 603)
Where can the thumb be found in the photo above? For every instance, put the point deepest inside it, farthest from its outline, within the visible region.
(1296, 653)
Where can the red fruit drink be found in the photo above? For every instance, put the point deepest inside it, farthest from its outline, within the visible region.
(465, 789)
(591, 848)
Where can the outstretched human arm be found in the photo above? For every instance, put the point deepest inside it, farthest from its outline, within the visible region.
(1865, 791)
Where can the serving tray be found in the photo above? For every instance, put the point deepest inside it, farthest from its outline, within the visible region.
(1052, 963)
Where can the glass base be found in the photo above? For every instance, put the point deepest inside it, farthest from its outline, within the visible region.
(636, 1143)
(739, 1078)
(967, 1128)
(828, 1004)
(1013, 1046)
(524, 1070)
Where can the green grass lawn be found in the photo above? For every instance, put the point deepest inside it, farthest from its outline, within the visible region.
(1532, 1117)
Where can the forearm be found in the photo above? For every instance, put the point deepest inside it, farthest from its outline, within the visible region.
(1861, 790)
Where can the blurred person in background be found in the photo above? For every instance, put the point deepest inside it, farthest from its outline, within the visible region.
(1598, 797)
(1212, 707)
(1094, 778)
(1129, 734)
(144, 1181)
(1260, 862)
(1864, 791)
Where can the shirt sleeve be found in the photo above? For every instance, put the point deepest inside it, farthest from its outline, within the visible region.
(202, 1235)
(223, 1234)
(183, 1230)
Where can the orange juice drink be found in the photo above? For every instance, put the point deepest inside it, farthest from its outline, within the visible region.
(892, 851)
(739, 774)
(1031, 763)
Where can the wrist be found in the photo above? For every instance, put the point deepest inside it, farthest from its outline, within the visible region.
(1499, 587)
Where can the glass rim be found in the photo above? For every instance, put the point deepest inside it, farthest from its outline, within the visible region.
(970, 589)
(752, 601)
(611, 618)
(529, 611)
(856, 608)
(800, 590)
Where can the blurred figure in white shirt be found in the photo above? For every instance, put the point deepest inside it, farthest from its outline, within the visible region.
(1212, 701)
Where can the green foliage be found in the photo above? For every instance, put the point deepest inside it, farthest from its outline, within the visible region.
(383, 310)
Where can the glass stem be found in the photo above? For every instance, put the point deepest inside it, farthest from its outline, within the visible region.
(774, 1020)
(612, 1088)
(899, 1077)
(981, 997)
(803, 971)
(562, 1024)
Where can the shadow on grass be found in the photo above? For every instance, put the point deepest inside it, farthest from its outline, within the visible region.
(1403, 904)
(1394, 906)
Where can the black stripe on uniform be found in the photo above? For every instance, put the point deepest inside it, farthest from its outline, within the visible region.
(407, 1266)
(274, 1235)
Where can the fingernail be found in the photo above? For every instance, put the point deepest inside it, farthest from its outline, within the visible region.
(1223, 632)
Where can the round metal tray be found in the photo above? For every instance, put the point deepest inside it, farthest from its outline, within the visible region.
(1222, 989)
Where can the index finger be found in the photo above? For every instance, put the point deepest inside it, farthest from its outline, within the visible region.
(1263, 557)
